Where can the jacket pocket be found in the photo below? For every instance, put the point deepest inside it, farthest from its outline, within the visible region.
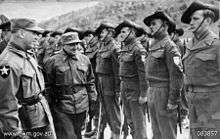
(28, 83)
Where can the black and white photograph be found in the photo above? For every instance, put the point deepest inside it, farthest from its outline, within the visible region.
(109, 69)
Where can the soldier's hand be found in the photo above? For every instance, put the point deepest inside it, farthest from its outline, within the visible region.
(142, 100)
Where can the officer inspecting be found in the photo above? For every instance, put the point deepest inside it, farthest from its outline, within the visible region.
(202, 71)
(132, 74)
(71, 86)
(107, 69)
(164, 73)
(24, 109)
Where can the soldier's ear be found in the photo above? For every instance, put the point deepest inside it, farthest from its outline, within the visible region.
(209, 20)
(21, 33)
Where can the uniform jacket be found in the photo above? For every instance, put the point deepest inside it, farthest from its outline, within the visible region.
(21, 79)
(71, 81)
(132, 67)
(164, 67)
(202, 63)
(107, 61)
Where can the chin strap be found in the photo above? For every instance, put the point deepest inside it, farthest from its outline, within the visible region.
(199, 27)
(153, 35)
(127, 36)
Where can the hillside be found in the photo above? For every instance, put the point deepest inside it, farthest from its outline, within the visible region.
(116, 11)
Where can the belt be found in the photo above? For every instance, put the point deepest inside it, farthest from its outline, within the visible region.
(31, 100)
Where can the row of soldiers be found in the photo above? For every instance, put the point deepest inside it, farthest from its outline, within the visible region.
(96, 72)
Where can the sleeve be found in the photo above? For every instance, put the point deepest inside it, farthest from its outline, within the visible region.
(115, 65)
(91, 89)
(175, 70)
(9, 86)
(50, 76)
(140, 56)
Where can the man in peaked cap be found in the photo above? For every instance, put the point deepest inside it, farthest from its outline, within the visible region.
(132, 75)
(165, 77)
(23, 106)
(5, 26)
(71, 87)
(109, 83)
(81, 47)
(201, 66)
(92, 45)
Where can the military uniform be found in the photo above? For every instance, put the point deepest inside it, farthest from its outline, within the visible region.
(133, 85)
(133, 82)
(109, 83)
(202, 77)
(165, 77)
(201, 63)
(165, 82)
(21, 85)
(72, 88)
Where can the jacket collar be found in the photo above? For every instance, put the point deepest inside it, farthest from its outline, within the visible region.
(159, 44)
(205, 41)
(19, 51)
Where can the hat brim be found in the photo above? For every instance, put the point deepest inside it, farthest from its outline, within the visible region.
(36, 29)
(72, 42)
(5, 26)
(186, 17)
(103, 26)
(130, 24)
(55, 33)
(162, 16)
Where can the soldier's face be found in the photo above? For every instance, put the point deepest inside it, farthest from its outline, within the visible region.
(30, 39)
(155, 26)
(103, 34)
(196, 20)
(125, 31)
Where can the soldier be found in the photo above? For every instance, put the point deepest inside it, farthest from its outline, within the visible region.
(24, 109)
(56, 35)
(81, 48)
(132, 75)
(109, 83)
(89, 36)
(175, 37)
(71, 88)
(165, 77)
(5, 26)
(202, 74)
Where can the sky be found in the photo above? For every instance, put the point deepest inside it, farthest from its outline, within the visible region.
(40, 11)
